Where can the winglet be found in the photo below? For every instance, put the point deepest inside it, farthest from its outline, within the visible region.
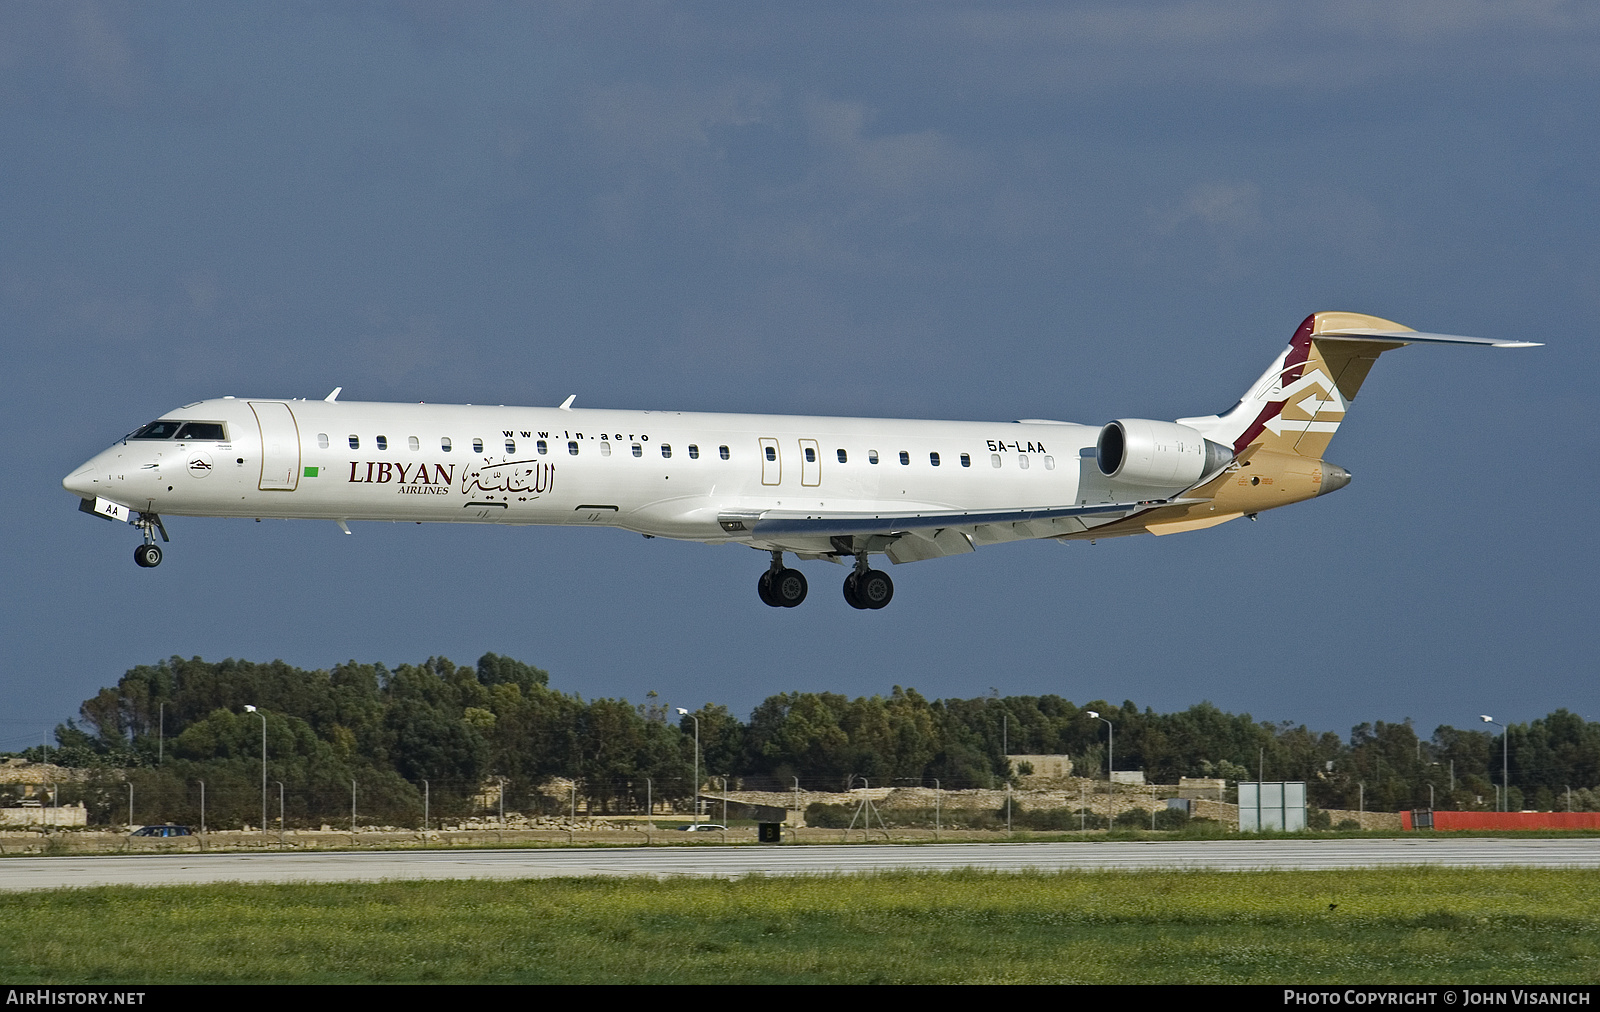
(333, 396)
(566, 405)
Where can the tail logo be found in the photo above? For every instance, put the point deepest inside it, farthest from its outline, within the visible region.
(1310, 404)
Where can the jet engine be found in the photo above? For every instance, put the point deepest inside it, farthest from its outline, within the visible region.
(1158, 454)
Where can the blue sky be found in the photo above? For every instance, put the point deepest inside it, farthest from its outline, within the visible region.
(988, 211)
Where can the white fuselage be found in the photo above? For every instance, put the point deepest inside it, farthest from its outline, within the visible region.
(662, 473)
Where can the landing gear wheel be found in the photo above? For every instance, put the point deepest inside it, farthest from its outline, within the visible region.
(873, 589)
(788, 587)
(147, 556)
(850, 595)
(764, 589)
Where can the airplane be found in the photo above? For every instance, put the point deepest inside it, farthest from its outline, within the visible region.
(814, 487)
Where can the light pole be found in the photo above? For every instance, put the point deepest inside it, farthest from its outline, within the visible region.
(250, 709)
(1505, 765)
(1111, 752)
(161, 735)
(696, 785)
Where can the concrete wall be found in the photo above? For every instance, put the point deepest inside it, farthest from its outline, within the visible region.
(71, 815)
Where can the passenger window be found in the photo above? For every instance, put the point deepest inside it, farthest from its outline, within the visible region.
(933, 458)
(477, 446)
(605, 448)
(511, 446)
(1022, 461)
(905, 457)
(994, 459)
(572, 447)
(638, 451)
(694, 451)
(383, 442)
(966, 460)
(724, 451)
(355, 442)
(811, 455)
(413, 442)
(322, 440)
(1049, 463)
(542, 446)
(444, 443)
(772, 453)
(843, 457)
(666, 449)
(872, 456)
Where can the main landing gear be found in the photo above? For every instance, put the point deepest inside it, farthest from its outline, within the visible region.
(780, 587)
(148, 555)
(865, 588)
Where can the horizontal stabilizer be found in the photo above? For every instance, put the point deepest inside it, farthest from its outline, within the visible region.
(1412, 337)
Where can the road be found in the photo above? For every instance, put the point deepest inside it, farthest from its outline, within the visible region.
(24, 873)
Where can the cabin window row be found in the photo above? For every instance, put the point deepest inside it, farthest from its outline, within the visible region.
(541, 446)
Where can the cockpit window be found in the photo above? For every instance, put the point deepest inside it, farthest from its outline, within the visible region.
(204, 431)
(157, 430)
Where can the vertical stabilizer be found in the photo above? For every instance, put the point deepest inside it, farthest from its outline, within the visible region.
(1297, 404)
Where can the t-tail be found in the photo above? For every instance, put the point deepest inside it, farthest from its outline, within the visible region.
(1281, 428)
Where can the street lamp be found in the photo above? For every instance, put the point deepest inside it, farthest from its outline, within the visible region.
(250, 709)
(1505, 748)
(696, 720)
(1111, 752)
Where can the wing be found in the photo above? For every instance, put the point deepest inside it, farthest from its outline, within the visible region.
(778, 523)
(913, 535)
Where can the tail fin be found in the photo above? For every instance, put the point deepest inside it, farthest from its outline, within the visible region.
(1297, 404)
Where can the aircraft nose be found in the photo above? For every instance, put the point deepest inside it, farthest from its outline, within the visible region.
(82, 481)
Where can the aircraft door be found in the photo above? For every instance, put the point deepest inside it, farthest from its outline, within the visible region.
(810, 463)
(280, 446)
(771, 464)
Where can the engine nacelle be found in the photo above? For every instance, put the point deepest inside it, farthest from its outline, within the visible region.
(1158, 454)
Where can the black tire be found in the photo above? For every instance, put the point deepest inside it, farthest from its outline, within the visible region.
(850, 597)
(875, 589)
(147, 556)
(789, 587)
(764, 589)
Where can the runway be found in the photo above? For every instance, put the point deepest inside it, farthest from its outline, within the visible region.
(27, 873)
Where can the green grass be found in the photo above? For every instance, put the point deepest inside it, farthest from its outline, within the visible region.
(1408, 925)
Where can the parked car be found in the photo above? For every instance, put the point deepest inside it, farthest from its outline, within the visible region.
(166, 830)
(705, 827)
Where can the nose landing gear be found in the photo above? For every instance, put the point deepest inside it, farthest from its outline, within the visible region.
(780, 587)
(148, 555)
